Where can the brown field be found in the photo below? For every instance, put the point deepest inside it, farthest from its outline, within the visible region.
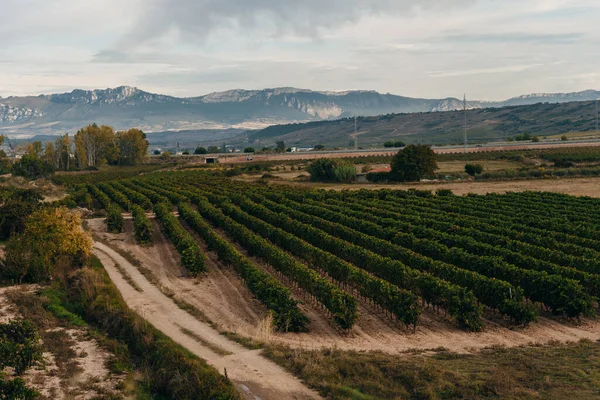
(572, 186)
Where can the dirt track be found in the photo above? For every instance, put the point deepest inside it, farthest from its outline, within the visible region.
(254, 376)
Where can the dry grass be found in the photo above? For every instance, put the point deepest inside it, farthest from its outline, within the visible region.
(554, 371)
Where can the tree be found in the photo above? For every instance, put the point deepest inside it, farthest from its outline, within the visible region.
(34, 149)
(212, 150)
(473, 169)
(200, 150)
(156, 152)
(165, 156)
(280, 146)
(249, 150)
(392, 143)
(62, 152)
(412, 163)
(319, 147)
(535, 139)
(564, 138)
(50, 154)
(52, 244)
(92, 144)
(133, 147)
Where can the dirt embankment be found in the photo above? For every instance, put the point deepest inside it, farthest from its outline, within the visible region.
(225, 300)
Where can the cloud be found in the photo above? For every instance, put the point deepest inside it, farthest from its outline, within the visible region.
(196, 20)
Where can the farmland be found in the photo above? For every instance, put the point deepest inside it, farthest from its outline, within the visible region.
(510, 259)
(352, 279)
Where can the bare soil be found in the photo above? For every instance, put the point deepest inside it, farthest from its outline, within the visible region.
(87, 375)
(225, 301)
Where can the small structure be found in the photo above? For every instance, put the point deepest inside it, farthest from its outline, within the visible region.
(210, 160)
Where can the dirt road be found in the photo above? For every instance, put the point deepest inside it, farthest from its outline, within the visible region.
(254, 376)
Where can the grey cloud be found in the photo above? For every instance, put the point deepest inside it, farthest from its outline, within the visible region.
(515, 37)
(194, 20)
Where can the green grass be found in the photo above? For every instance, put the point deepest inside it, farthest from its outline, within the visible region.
(553, 371)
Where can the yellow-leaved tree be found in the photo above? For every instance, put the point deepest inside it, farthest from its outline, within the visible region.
(52, 244)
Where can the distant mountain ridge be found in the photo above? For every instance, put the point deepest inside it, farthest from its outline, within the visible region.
(126, 106)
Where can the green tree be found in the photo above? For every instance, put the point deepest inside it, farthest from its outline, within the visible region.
(249, 150)
(213, 150)
(280, 146)
(413, 163)
(200, 150)
(156, 152)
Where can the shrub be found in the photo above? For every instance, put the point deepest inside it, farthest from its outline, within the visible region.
(249, 150)
(32, 168)
(473, 169)
(19, 346)
(200, 150)
(330, 170)
(141, 225)
(114, 220)
(378, 177)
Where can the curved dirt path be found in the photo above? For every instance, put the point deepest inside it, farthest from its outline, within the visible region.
(255, 377)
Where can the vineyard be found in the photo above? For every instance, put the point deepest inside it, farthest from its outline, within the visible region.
(507, 258)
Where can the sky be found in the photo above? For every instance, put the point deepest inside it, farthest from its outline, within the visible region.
(488, 49)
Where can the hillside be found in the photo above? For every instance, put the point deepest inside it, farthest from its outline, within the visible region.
(126, 107)
(438, 127)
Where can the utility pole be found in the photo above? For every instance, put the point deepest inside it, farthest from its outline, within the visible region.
(596, 115)
(465, 140)
(355, 133)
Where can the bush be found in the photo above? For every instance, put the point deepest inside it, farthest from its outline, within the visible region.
(249, 150)
(114, 220)
(32, 168)
(200, 150)
(331, 170)
(562, 163)
(19, 346)
(141, 224)
(473, 169)
(378, 177)
(564, 138)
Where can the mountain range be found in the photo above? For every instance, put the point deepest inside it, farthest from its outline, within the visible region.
(125, 107)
